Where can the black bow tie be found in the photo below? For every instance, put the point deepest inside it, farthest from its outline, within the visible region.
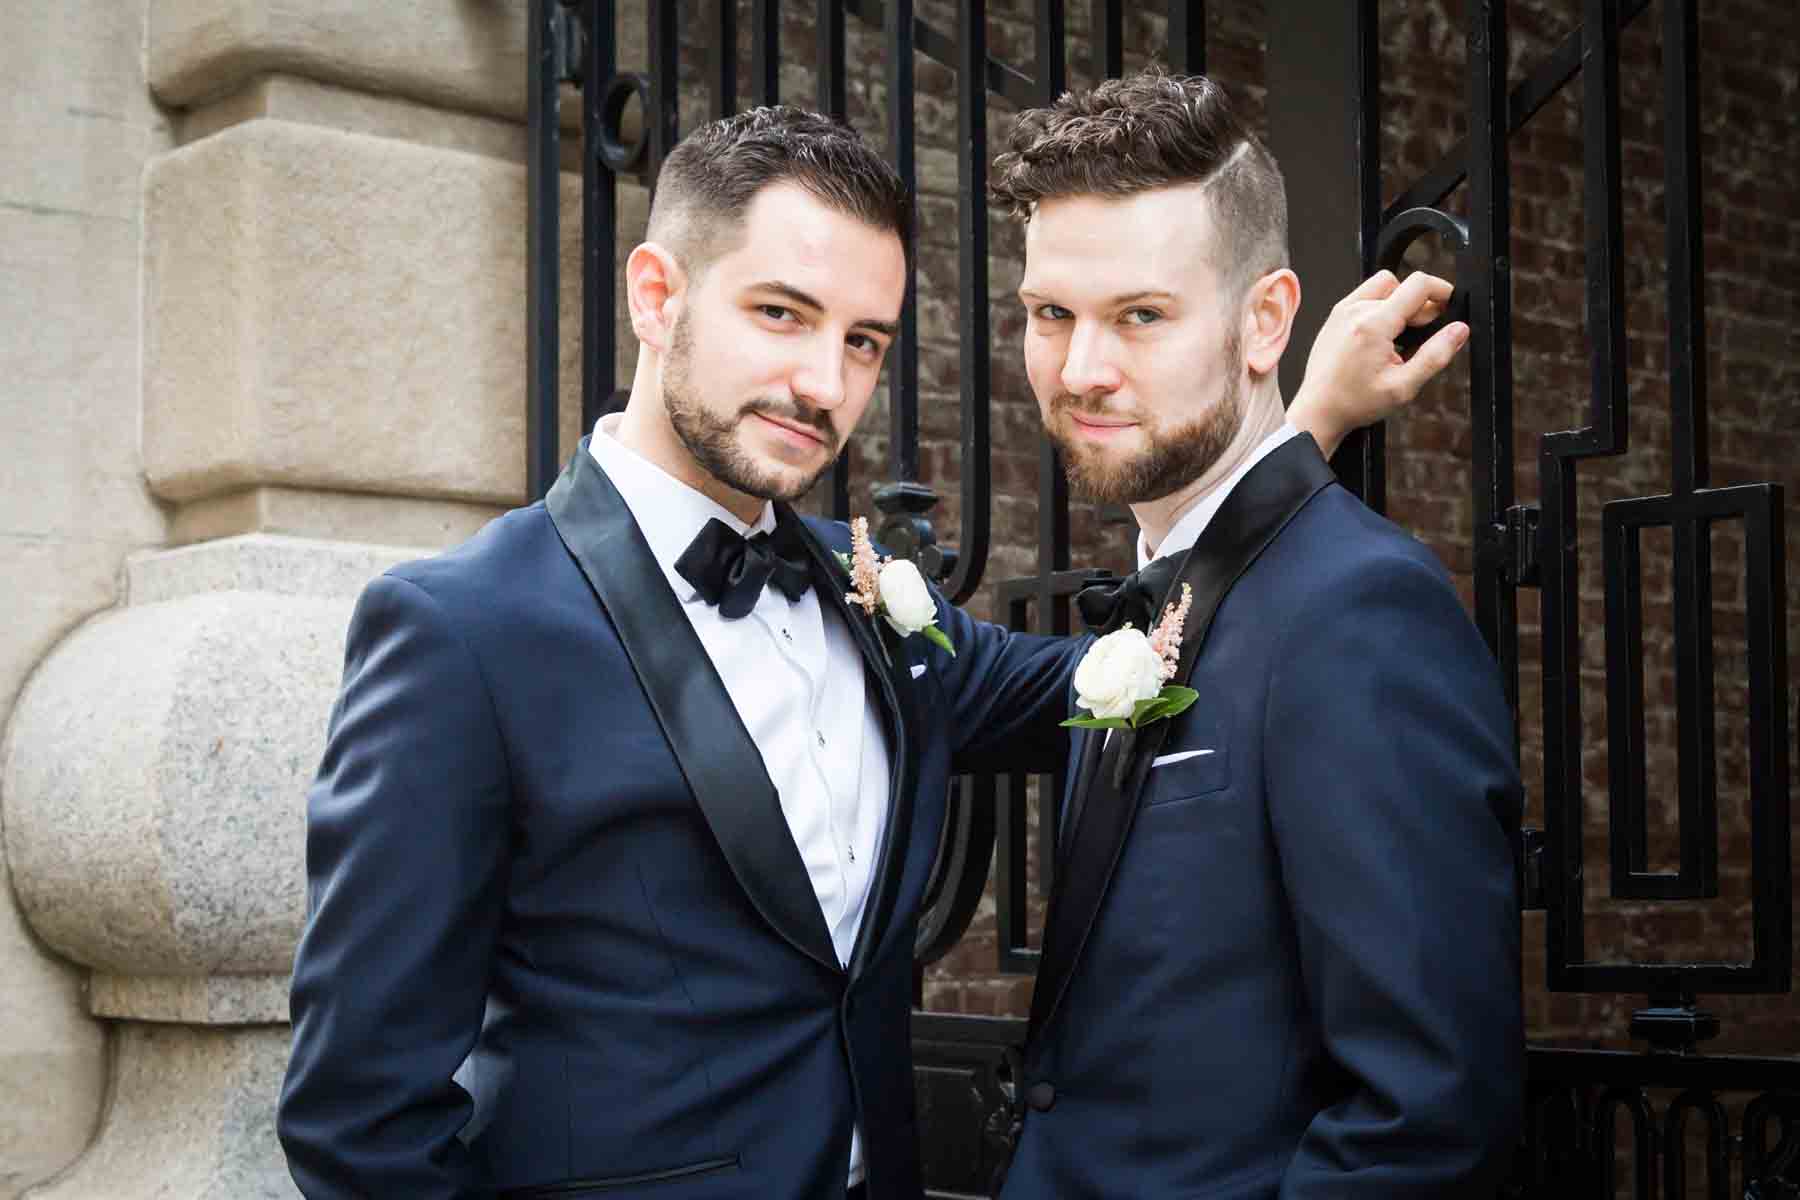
(1137, 598)
(730, 570)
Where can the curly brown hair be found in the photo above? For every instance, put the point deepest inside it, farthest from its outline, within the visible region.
(1146, 131)
(709, 179)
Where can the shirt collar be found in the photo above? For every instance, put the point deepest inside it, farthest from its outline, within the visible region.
(1193, 523)
(668, 512)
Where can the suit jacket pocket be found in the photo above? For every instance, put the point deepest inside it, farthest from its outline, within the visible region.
(1197, 762)
(613, 1183)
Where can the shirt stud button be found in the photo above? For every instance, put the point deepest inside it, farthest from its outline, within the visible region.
(821, 736)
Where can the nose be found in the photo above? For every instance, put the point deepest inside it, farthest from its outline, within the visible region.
(1089, 367)
(819, 377)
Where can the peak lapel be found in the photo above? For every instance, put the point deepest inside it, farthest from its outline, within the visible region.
(892, 687)
(722, 765)
(1255, 512)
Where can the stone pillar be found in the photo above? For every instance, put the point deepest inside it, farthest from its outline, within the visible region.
(327, 234)
(76, 126)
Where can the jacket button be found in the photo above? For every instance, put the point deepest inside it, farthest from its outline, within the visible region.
(1041, 1096)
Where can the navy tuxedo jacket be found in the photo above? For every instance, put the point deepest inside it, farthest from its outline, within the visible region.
(544, 858)
(1284, 961)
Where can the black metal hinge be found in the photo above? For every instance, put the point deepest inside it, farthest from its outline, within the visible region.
(1511, 546)
(1521, 539)
(569, 43)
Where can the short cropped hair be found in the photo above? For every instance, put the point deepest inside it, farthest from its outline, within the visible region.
(709, 179)
(1146, 131)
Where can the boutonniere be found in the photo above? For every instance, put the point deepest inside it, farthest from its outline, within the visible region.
(892, 589)
(1123, 678)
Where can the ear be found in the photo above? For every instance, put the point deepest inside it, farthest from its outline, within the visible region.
(655, 287)
(1269, 310)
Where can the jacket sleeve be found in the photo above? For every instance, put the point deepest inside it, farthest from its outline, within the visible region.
(1009, 693)
(1394, 821)
(406, 852)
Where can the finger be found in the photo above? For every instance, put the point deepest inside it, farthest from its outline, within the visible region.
(1430, 359)
(1414, 292)
(1428, 312)
(1376, 287)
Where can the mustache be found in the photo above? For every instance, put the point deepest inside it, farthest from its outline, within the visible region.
(813, 418)
(1092, 404)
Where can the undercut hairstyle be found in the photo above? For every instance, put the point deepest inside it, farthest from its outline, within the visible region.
(709, 179)
(1147, 131)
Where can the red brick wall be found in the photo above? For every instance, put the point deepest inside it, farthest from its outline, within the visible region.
(1749, 79)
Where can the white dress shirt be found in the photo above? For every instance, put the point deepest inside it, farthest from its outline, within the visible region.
(796, 679)
(1193, 523)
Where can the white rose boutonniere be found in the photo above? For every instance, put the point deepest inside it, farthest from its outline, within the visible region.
(1122, 680)
(891, 589)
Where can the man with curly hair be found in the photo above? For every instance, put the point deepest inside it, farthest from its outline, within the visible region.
(1282, 954)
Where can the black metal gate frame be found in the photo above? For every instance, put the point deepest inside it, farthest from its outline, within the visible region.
(1317, 57)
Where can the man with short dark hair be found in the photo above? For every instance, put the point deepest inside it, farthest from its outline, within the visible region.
(617, 847)
(1282, 954)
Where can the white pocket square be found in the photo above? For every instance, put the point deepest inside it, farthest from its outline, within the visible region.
(1163, 760)
(918, 670)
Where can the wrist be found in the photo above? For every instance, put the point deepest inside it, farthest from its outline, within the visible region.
(1309, 413)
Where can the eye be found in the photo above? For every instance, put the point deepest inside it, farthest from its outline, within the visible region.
(1051, 312)
(1142, 316)
(864, 343)
(776, 312)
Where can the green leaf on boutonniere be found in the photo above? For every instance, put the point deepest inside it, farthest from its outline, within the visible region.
(1169, 702)
(843, 560)
(939, 638)
(1096, 723)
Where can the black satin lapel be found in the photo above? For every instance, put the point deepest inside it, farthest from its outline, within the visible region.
(884, 665)
(1255, 512)
(1087, 760)
(720, 761)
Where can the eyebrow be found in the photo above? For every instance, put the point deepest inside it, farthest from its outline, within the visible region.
(790, 292)
(1112, 302)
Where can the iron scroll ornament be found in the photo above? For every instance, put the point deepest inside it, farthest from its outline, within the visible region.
(1398, 236)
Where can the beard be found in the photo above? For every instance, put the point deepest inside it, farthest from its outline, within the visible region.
(1174, 458)
(714, 440)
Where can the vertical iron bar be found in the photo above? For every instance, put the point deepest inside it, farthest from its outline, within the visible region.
(1053, 484)
(721, 56)
(903, 368)
(663, 121)
(543, 174)
(1682, 208)
(1771, 833)
(599, 219)
(1187, 37)
(765, 51)
(830, 30)
(833, 102)
(975, 350)
(1368, 452)
(1490, 342)
(1692, 576)
(1051, 51)
(1320, 61)
(1108, 33)
(1604, 223)
(1565, 901)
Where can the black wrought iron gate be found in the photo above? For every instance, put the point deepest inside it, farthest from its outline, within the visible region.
(1322, 71)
